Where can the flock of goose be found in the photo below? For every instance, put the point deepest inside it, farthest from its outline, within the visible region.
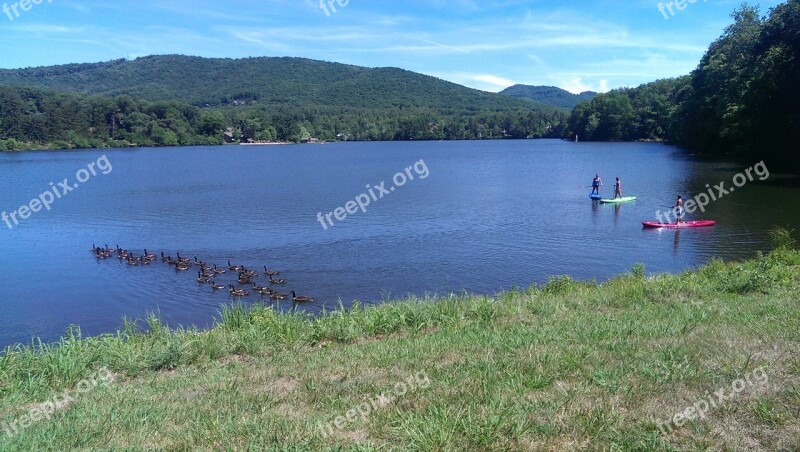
(206, 273)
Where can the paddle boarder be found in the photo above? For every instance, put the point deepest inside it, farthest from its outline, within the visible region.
(596, 184)
(618, 189)
(679, 210)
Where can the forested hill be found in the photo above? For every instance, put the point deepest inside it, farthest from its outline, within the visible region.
(742, 99)
(179, 100)
(262, 81)
(549, 95)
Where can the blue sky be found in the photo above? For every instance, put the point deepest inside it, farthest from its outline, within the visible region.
(578, 45)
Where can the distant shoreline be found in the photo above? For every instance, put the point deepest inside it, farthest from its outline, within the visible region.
(276, 143)
(27, 147)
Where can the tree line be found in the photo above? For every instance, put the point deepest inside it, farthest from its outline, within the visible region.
(33, 119)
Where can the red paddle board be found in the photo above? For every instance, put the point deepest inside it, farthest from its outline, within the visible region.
(685, 224)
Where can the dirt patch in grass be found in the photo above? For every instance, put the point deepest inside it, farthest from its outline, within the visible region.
(235, 359)
(282, 386)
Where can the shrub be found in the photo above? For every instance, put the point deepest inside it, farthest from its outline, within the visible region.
(558, 284)
(782, 238)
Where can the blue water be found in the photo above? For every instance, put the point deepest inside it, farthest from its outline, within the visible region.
(489, 216)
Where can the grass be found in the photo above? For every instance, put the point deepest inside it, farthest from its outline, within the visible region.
(570, 365)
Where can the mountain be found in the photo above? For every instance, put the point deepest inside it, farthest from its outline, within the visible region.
(260, 81)
(181, 100)
(548, 95)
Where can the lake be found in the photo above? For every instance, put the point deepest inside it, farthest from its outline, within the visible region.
(481, 217)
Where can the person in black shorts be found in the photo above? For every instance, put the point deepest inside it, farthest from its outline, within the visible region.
(596, 184)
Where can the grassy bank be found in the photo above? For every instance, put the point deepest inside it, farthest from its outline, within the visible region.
(561, 367)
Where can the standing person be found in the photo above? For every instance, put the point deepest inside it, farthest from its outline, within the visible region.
(679, 210)
(618, 189)
(596, 184)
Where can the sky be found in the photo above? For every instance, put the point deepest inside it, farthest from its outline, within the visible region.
(490, 45)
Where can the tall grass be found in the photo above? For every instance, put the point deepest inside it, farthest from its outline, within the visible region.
(783, 238)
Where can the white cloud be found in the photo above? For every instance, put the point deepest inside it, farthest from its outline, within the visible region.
(483, 82)
(576, 85)
(492, 80)
(46, 29)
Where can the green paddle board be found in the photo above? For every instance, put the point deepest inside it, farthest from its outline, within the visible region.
(618, 200)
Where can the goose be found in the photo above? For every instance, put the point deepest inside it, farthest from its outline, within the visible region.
(250, 273)
(270, 272)
(202, 279)
(267, 291)
(301, 298)
(237, 292)
(243, 279)
(149, 255)
(257, 288)
(183, 260)
(180, 266)
(219, 271)
(278, 296)
(276, 281)
(216, 286)
(100, 253)
(234, 268)
(165, 258)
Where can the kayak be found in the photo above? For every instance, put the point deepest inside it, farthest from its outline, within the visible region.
(685, 224)
(595, 196)
(618, 200)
